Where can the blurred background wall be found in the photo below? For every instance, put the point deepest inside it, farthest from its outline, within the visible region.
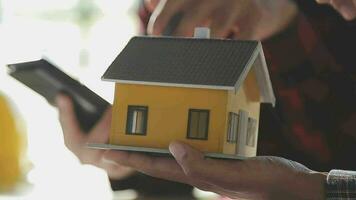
(82, 37)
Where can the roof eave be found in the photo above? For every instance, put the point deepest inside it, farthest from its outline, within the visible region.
(267, 96)
(247, 69)
(163, 84)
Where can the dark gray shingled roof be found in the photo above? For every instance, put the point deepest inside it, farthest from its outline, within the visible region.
(210, 62)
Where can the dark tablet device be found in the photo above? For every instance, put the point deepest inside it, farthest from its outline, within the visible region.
(47, 80)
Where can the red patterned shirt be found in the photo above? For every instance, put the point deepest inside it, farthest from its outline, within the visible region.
(313, 70)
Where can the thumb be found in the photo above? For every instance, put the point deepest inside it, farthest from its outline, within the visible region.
(67, 115)
(101, 131)
(190, 159)
(197, 167)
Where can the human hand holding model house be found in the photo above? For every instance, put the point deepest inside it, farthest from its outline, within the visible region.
(75, 139)
(255, 178)
(245, 19)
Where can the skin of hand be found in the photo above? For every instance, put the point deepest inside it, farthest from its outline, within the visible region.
(75, 139)
(245, 19)
(347, 8)
(254, 178)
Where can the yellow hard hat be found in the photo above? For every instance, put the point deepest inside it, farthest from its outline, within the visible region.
(12, 147)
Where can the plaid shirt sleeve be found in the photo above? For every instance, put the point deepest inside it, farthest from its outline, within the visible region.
(341, 185)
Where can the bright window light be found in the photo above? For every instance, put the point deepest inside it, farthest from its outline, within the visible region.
(82, 47)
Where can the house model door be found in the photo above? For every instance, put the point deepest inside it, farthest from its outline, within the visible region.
(246, 144)
(241, 133)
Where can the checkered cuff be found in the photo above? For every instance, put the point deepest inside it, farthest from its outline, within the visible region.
(341, 185)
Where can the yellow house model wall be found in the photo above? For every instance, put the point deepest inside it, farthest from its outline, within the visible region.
(168, 115)
(247, 98)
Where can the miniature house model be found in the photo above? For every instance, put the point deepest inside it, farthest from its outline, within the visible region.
(204, 92)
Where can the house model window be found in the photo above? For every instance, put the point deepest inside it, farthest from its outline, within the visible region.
(198, 124)
(136, 120)
(233, 127)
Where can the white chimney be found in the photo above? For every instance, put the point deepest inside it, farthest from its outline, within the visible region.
(202, 32)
